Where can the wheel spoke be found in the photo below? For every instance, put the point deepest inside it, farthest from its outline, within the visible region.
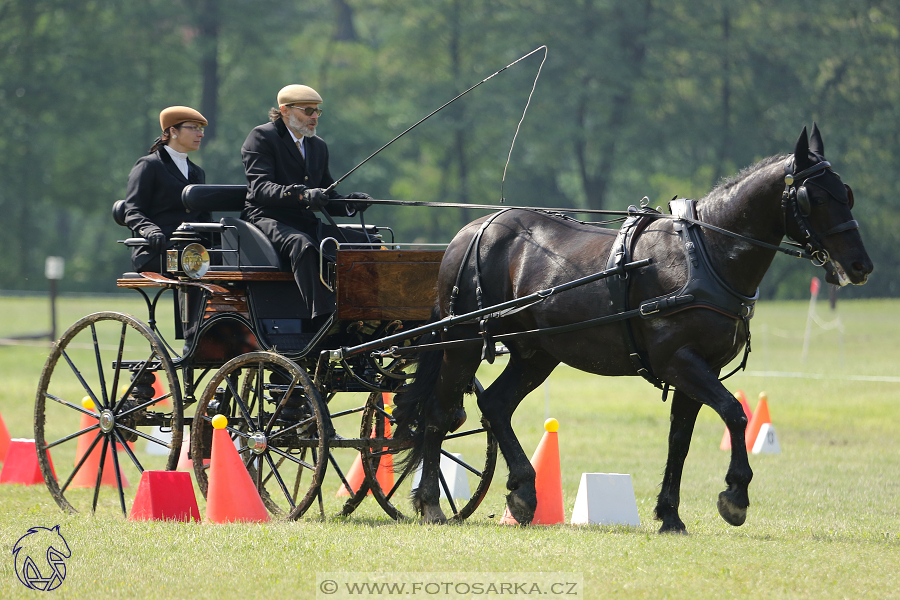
(464, 433)
(259, 485)
(340, 473)
(281, 432)
(298, 479)
(100, 367)
(260, 396)
(283, 487)
(128, 451)
(145, 436)
(80, 409)
(144, 405)
(134, 381)
(272, 472)
(446, 489)
(81, 461)
(81, 380)
(100, 473)
(300, 462)
(461, 463)
(69, 437)
(240, 402)
(121, 350)
(400, 479)
(115, 456)
(280, 406)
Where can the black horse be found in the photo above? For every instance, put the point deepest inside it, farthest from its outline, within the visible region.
(683, 342)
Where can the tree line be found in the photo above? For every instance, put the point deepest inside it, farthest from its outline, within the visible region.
(636, 98)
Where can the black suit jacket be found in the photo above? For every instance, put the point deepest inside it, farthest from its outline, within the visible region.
(154, 198)
(273, 163)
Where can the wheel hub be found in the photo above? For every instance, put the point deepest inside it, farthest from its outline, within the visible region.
(257, 442)
(107, 421)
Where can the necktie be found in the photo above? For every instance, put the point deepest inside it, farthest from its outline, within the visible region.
(300, 148)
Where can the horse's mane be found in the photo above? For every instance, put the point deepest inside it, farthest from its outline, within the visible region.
(744, 174)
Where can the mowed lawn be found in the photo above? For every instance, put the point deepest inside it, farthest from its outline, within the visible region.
(823, 520)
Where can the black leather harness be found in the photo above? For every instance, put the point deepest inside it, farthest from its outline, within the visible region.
(704, 287)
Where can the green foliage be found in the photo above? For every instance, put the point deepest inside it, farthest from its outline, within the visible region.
(636, 98)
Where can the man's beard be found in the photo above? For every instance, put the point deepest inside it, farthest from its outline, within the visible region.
(300, 129)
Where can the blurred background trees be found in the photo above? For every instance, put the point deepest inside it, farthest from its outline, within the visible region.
(637, 97)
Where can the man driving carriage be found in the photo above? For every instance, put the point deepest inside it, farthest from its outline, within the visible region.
(286, 165)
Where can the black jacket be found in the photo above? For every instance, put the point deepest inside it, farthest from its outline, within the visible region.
(273, 163)
(154, 198)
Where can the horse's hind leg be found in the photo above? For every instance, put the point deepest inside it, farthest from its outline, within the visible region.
(691, 375)
(683, 417)
(497, 404)
(457, 370)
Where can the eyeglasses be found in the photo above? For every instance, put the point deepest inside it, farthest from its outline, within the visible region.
(309, 110)
(195, 128)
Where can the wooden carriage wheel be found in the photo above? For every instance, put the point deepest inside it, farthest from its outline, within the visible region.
(470, 453)
(115, 385)
(279, 424)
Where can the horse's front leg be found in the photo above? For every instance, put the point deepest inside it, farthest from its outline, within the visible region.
(690, 374)
(681, 428)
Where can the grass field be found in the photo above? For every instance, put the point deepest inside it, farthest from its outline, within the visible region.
(823, 521)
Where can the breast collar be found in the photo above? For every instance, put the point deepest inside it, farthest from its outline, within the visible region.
(704, 287)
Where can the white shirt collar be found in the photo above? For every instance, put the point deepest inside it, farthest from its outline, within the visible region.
(180, 160)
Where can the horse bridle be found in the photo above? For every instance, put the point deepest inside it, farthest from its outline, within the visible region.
(795, 201)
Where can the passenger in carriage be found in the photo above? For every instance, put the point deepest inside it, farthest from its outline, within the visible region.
(286, 165)
(153, 207)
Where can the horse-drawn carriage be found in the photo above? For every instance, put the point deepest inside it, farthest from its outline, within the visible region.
(249, 355)
(668, 297)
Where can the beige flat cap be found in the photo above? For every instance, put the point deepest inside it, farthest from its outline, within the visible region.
(298, 94)
(179, 114)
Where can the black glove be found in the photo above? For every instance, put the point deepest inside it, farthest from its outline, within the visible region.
(362, 205)
(156, 239)
(315, 198)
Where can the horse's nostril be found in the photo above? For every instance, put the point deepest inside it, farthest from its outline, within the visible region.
(861, 268)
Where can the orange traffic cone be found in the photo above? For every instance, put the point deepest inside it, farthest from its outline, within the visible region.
(726, 437)
(547, 481)
(185, 462)
(231, 495)
(86, 477)
(4, 439)
(385, 472)
(760, 418)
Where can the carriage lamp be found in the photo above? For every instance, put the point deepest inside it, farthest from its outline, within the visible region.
(189, 256)
(195, 261)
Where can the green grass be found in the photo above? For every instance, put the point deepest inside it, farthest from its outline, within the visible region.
(823, 521)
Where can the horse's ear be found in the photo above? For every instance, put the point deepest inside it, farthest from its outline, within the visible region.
(801, 152)
(815, 142)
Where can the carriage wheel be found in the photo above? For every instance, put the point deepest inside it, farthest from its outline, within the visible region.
(115, 385)
(469, 453)
(346, 424)
(278, 423)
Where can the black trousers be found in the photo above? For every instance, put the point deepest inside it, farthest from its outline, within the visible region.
(300, 250)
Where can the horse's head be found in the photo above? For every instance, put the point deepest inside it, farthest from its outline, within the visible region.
(817, 208)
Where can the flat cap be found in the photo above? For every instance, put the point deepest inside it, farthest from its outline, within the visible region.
(297, 94)
(179, 114)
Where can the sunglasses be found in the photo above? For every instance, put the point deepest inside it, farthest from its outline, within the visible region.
(309, 110)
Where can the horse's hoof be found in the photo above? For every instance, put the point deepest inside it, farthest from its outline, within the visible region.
(459, 417)
(678, 529)
(433, 515)
(519, 509)
(731, 512)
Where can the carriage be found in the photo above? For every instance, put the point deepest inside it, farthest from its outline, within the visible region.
(504, 279)
(247, 355)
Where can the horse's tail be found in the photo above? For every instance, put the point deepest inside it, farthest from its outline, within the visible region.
(414, 403)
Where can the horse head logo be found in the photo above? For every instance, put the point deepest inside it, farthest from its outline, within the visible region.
(40, 558)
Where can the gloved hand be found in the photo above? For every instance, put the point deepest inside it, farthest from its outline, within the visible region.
(156, 239)
(315, 198)
(362, 205)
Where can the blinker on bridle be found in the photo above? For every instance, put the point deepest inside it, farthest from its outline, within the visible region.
(796, 199)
